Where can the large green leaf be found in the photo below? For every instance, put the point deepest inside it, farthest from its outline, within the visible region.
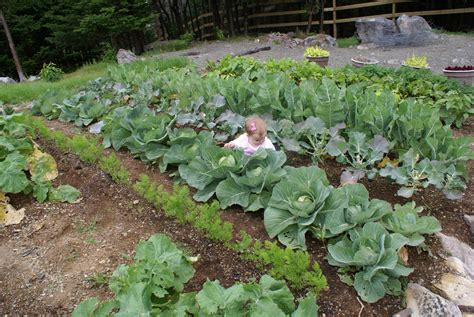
(12, 176)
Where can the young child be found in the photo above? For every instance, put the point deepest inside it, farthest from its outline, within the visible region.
(255, 137)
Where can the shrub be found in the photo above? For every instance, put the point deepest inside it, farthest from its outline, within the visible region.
(50, 72)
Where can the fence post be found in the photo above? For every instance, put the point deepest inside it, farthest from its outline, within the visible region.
(334, 18)
(394, 4)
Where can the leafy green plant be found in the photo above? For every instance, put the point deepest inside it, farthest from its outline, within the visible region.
(294, 266)
(406, 221)
(50, 72)
(362, 155)
(416, 61)
(296, 202)
(373, 253)
(251, 187)
(153, 285)
(315, 51)
(24, 167)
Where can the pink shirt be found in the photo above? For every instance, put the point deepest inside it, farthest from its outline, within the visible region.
(242, 142)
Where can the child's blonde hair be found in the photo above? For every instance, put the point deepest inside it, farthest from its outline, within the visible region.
(255, 125)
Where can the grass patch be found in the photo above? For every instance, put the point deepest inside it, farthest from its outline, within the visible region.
(346, 42)
(15, 93)
(443, 31)
(169, 46)
(158, 64)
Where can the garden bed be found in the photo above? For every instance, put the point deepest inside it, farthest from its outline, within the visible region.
(61, 263)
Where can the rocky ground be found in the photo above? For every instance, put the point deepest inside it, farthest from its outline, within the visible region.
(440, 53)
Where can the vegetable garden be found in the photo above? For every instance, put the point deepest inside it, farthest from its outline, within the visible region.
(343, 135)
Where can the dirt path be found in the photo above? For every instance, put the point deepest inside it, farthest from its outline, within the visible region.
(439, 55)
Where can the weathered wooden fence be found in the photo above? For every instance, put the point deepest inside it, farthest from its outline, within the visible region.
(265, 15)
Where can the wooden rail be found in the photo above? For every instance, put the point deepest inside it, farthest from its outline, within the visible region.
(205, 24)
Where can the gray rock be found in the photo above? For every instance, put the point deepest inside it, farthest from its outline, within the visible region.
(470, 220)
(321, 40)
(458, 249)
(375, 30)
(412, 30)
(394, 62)
(34, 78)
(125, 56)
(458, 289)
(415, 27)
(7, 80)
(424, 303)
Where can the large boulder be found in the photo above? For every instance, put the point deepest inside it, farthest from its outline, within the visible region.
(408, 30)
(125, 56)
(423, 302)
(415, 28)
(375, 30)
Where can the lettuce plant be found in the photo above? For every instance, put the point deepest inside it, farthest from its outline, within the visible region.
(373, 253)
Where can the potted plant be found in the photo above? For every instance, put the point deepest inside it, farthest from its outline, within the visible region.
(361, 61)
(463, 74)
(417, 62)
(317, 55)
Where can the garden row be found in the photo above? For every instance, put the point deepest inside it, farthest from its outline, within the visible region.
(300, 202)
(322, 112)
(25, 168)
(153, 285)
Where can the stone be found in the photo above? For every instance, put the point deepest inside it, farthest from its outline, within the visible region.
(374, 30)
(458, 266)
(470, 222)
(415, 27)
(394, 62)
(408, 30)
(321, 40)
(7, 80)
(125, 56)
(423, 302)
(458, 249)
(33, 78)
(458, 289)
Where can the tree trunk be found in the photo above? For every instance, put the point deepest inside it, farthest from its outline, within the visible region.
(246, 22)
(168, 25)
(230, 19)
(177, 16)
(215, 13)
(198, 26)
(21, 76)
(310, 20)
(321, 17)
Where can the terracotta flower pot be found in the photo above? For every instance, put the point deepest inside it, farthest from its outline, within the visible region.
(322, 61)
(362, 61)
(465, 77)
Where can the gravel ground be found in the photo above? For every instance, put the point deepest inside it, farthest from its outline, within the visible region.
(439, 54)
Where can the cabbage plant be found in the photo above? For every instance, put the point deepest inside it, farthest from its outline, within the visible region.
(373, 253)
(297, 201)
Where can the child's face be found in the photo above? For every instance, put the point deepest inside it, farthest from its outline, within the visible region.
(257, 139)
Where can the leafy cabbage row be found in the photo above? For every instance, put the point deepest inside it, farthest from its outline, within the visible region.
(153, 286)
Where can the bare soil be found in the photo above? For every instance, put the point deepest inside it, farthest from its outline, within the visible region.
(45, 260)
